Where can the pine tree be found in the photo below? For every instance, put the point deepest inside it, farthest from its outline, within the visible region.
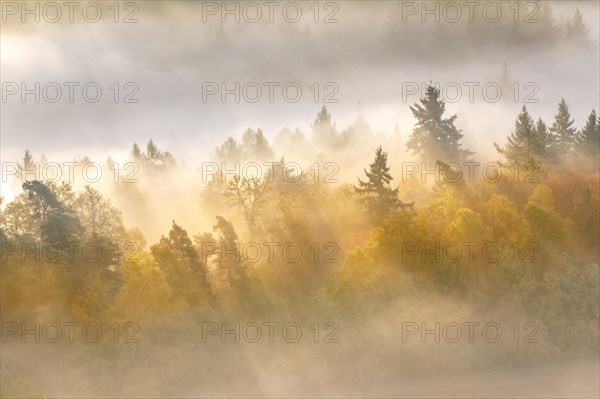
(523, 145)
(255, 146)
(380, 198)
(506, 79)
(26, 168)
(588, 144)
(229, 151)
(153, 156)
(545, 142)
(323, 129)
(563, 131)
(575, 30)
(434, 137)
(136, 153)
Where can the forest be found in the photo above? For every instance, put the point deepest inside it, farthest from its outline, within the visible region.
(516, 244)
(380, 246)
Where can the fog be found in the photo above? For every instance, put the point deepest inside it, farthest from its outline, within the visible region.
(386, 316)
(368, 54)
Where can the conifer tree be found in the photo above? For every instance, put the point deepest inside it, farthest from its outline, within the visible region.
(588, 144)
(380, 198)
(323, 129)
(575, 30)
(524, 144)
(563, 131)
(435, 137)
(545, 141)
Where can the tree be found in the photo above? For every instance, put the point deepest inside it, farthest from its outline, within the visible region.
(380, 198)
(98, 216)
(186, 273)
(323, 129)
(255, 146)
(41, 198)
(145, 292)
(524, 144)
(212, 196)
(506, 79)
(563, 131)
(543, 33)
(229, 151)
(248, 194)
(575, 30)
(434, 137)
(359, 130)
(230, 264)
(18, 220)
(288, 141)
(26, 167)
(545, 141)
(61, 226)
(153, 156)
(51, 221)
(588, 144)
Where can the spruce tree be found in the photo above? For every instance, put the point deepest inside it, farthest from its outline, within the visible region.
(563, 131)
(435, 137)
(255, 146)
(380, 198)
(575, 30)
(27, 167)
(323, 129)
(545, 141)
(523, 145)
(588, 144)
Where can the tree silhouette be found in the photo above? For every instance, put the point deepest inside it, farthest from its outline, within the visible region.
(563, 131)
(435, 137)
(380, 198)
(588, 144)
(527, 142)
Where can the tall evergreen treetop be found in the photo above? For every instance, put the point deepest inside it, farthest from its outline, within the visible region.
(434, 137)
(323, 129)
(576, 29)
(563, 130)
(588, 143)
(545, 141)
(380, 198)
(523, 145)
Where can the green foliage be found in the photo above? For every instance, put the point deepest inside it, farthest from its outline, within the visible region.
(563, 131)
(435, 137)
(185, 272)
(380, 199)
(385, 263)
(588, 145)
(528, 142)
